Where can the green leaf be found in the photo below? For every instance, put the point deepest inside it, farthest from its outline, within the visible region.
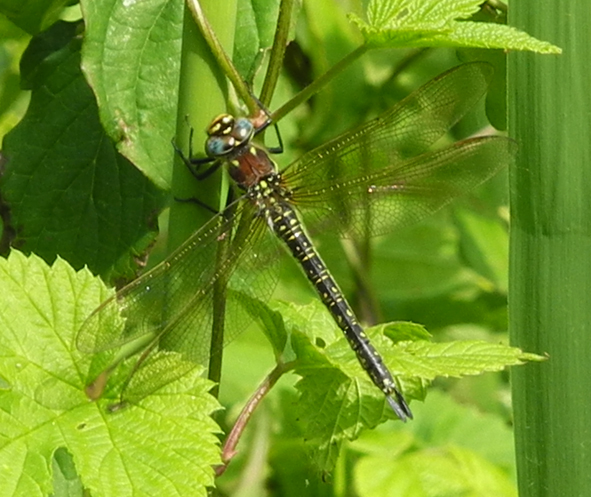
(459, 358)
(338, 400)
(449, 449)
(439, 23)
(255, 28)
(485, 245)
(432, 473)
(442, 421)
(131, 58)
(44, 411)
(69, 191)
(270, 321)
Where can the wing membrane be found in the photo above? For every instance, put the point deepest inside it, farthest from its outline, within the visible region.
(406, 192)
(382, 175)
(172, 306)
(406, 130)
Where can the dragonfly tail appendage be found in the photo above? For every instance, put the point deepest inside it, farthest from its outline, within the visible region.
(399, 405)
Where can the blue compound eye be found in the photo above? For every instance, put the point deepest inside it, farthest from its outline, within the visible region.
(216, 146)
(243, 129)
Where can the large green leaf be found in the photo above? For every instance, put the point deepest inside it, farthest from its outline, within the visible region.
(44, 409)
(131, 58)
(69, 191)
(338, 400)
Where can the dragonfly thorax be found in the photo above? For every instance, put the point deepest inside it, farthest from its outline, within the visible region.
(269, 192)
(227, 134)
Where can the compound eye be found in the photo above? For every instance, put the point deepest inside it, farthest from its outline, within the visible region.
(243, 129)
(216, 145)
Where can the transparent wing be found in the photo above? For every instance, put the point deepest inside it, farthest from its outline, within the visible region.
(406, 192)
(333, 185)
(406, 130)
(171, 308)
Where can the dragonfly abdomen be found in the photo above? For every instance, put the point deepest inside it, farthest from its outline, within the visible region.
(282, 218)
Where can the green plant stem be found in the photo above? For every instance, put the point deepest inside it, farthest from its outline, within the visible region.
(319, 83)
(202, 95)
(221, 55)
(277, 52)
(550, 255)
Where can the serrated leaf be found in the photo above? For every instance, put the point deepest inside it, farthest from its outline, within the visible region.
(391, 14)
(338, 400)
(131, 57)
(439, 23)
(464, 357)
(114, 453)
(69, 191)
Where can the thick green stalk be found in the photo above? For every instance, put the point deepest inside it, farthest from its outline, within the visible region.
(550, 265)
(222, 55)
(202, 96)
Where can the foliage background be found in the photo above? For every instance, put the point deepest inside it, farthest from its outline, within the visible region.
(449, 273)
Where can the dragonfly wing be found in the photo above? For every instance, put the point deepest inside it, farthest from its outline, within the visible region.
(171, 308)
(405, 192)
(406, 130)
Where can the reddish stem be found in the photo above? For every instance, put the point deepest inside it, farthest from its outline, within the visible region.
(229, 448)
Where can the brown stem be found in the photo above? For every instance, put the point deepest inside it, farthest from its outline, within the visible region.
(229, 448)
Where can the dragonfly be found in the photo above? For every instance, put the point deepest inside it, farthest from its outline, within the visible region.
(382, 175)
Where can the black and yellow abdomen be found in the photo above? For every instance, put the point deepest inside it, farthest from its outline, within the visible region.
(281, 217)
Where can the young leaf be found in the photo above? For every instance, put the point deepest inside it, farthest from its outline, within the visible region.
(44, 407)
(439, 23)
(338, 400)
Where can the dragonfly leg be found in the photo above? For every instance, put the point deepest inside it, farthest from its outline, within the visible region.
(196, 201)
(194, 164)
(279, 148)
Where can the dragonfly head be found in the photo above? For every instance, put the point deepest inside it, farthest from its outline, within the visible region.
(226, 133)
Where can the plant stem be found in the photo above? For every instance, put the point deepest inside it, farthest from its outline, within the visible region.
(229, 449)
(550, 269)
(277, 52)
(319, 83)
(202, 95)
